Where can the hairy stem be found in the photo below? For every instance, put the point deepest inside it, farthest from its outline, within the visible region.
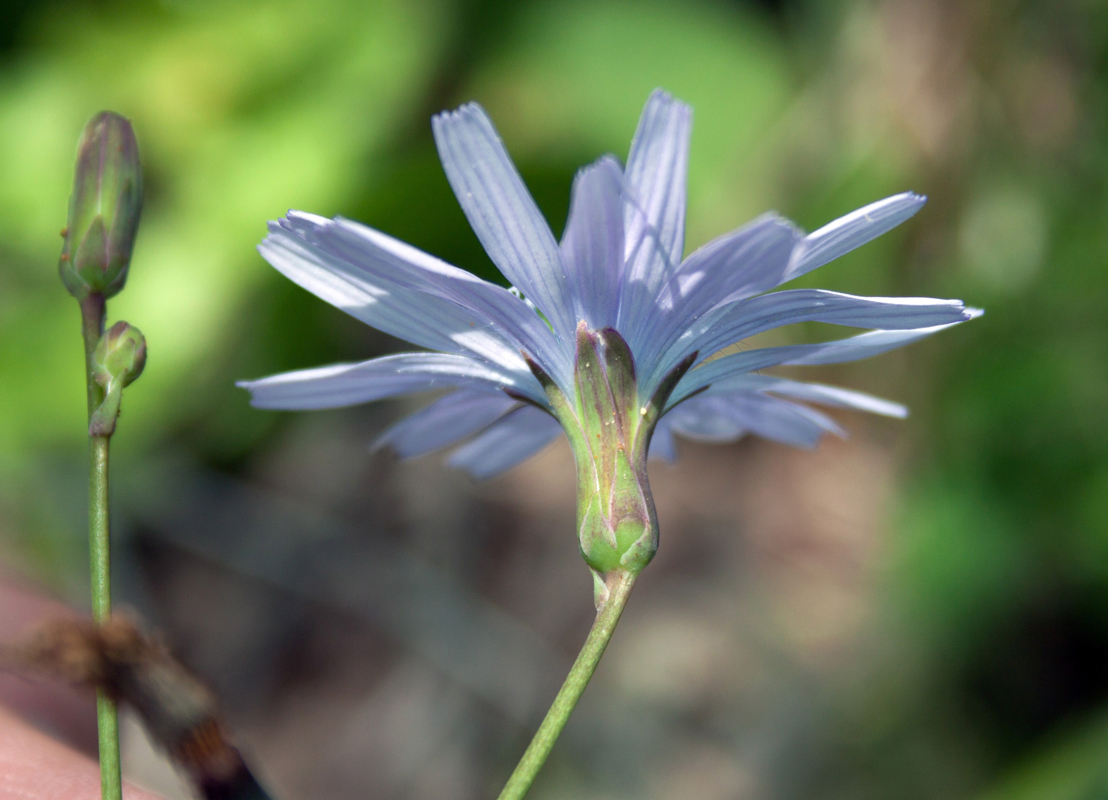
(107, 718)
(619, 589)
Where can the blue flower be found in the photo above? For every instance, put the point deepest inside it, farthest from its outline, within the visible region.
(608, 335)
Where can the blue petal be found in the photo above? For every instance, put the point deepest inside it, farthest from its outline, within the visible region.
(851, 231)
(781, 420)
(455, 416)
(654, 210)
(822, 394)
(513, 439)
(854, 348)
(502, 212)
(737, 321)
(362, 255)
(740, 264)
(427, 321)
(728, 417)
(592, 245)
(705, 419)
(405, 373)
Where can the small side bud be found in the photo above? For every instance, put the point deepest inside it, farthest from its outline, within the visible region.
(119, 359)
(120, 355)
(104, 208)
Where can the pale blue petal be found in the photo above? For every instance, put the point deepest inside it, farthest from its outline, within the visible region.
(706, 419)
(516, 437)
(854, 348)
(449, 419)
(405, 373)
(739, 264)
(737, 321)
(427, 321)
(834, 396)
(502, 212)
(851, 231)
(360, 254)
(783, 421)
(838, 397)
(720, 418)
(654, 210)
(592, 245)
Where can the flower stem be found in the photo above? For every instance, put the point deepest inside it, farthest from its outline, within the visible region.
(107, 719)
(619, 589)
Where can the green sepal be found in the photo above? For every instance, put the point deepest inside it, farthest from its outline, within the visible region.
(596, 406)
(620, 370)
(600, 590)
(595, 535)
(103, 419)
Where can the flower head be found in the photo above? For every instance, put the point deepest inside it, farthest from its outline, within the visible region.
(609, 333)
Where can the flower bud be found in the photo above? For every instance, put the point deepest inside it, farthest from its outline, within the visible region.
(120, 355)
(104, 208)
(118, 360)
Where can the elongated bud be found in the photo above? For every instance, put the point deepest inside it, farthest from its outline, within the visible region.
(104, 208)
(118, 360)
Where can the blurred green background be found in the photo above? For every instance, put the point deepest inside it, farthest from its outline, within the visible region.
(920, 612)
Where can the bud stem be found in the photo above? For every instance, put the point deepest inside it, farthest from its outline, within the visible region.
(619, 589)
(107, 719)
(93, 311)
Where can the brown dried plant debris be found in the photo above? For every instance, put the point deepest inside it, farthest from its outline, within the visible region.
(179, 710)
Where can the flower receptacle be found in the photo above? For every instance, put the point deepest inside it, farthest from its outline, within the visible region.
(609, 429)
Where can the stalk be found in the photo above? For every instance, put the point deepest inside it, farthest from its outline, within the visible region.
(107, 716)
(619, 589)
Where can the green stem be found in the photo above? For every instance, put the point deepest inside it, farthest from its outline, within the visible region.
(107, 718)
(92, 328)
(619, 589)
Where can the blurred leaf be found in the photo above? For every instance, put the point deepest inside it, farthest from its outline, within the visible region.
(1071, 768)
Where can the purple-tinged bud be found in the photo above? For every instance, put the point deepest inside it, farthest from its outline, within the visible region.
(104, 208)
(118, 360)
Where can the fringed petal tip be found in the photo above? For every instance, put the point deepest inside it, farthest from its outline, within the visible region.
(661, 98)
(852, 230)
(466, 111)
(248, 386)
(502, 212)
